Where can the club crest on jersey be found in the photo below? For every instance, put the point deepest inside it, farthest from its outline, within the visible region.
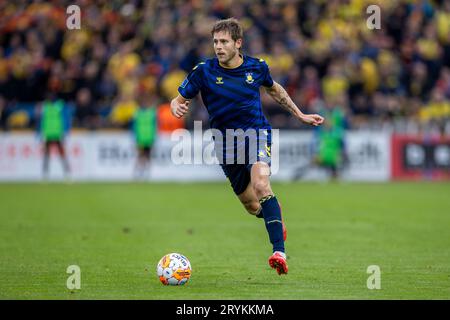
(249, 76)
(219, 80)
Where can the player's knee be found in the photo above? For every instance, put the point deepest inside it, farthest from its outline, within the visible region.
(260, 170)
(262, 188)
(252, 207)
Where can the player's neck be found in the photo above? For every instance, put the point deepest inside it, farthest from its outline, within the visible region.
(233, 63)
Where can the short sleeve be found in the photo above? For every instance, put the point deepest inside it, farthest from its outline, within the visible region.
(190, 87)
(267, 78)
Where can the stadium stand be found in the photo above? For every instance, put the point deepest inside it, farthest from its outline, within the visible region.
(395, 78)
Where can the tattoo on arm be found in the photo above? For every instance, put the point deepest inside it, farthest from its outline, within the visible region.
(279, 94)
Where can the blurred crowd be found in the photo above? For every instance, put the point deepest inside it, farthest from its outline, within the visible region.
(130, 53)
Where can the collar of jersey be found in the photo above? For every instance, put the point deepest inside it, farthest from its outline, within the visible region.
(235, 68)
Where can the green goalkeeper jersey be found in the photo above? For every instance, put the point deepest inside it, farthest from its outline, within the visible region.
(145, 126)
(52, 120)
(330, 147)
(331, 138)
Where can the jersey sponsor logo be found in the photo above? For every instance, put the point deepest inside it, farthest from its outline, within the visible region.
(249, 77)
(219, 80)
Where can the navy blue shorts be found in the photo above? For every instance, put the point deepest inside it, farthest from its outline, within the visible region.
(239, 174)
(237, 168)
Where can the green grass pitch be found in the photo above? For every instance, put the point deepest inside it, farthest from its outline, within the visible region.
(116, 233)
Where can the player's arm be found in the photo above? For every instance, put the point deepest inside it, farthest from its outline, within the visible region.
(188, 89)
(279, 94)
(179, 106)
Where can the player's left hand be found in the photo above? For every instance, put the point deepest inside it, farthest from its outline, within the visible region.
(312, 119)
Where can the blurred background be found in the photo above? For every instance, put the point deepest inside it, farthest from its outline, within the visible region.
(384, 92)
(92, 105)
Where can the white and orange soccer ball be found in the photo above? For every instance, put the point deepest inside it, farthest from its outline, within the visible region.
(174, 269)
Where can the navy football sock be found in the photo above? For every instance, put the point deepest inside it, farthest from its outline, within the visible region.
(260, 214)
(272, 218)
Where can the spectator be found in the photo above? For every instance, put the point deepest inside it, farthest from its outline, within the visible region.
(166, 122)
(86, 115)
(319, 49)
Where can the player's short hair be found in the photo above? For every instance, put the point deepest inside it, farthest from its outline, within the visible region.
(231, 25)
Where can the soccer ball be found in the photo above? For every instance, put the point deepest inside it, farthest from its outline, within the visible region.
(174, 269)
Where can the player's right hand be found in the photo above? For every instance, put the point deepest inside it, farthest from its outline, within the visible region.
(179, 109)
(312, 119)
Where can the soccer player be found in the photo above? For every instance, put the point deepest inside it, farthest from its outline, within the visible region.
(330, 153)
(229, 85)
(54, 125)
(145, 131)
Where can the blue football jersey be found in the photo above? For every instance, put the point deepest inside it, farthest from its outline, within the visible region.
(231, 96)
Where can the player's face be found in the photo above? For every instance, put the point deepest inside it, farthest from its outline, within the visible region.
(225, 47)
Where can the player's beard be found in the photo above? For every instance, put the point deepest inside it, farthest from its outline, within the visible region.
(230, 57)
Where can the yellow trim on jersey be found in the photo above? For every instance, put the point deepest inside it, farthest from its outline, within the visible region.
(198, 65)
(268, 150)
